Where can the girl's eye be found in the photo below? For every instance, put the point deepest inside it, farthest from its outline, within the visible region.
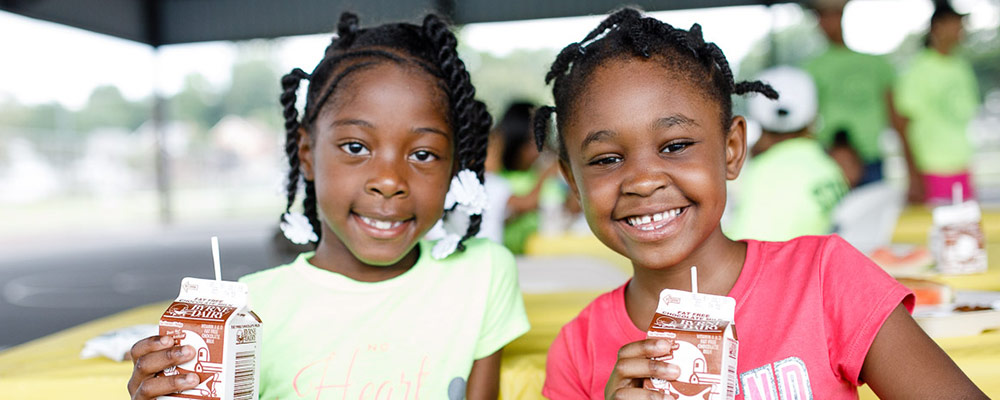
(423, 156)
(606, 160)
(354, 148)
(675, 147)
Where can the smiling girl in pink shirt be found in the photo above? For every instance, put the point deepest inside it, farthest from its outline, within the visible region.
(647, 142)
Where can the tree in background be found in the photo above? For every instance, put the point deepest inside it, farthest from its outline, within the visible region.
(197, 102)
(107, 107)
(43, 117)
(254, 89)
(513, 77)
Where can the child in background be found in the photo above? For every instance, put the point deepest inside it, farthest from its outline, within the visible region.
(847, 159)
(513, 187)
(791, 186)
(516, 166)
(390, 119)
(647, 141)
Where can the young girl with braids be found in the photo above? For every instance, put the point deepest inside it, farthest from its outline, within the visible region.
(647, 141)
(390, 119)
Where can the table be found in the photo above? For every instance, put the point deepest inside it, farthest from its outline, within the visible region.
(50, 368)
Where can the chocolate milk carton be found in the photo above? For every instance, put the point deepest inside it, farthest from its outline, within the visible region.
(704, 344)
(956, 239)
(214, 317)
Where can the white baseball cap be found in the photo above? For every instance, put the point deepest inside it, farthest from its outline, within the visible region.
(796, 105)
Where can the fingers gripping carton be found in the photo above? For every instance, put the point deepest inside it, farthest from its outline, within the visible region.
(215, 318)
(703, 334)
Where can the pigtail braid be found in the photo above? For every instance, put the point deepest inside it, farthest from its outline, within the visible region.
(469, 116)
(756, 87)
(309, 209)
(619, 18)
(347, 30)
(573, 51)
(290, 85)
(567, 56)
(540, 125)
(636, 34)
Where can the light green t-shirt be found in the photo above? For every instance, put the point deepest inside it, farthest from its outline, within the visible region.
(790, 190)
(939, 95)
(851, 89)
(412, 336)
(517, 230)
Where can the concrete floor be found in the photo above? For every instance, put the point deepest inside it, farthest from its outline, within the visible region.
(47, 287)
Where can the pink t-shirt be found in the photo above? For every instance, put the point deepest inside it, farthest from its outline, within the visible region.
(807, 311)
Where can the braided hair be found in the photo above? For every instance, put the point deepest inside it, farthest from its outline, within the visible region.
(628, 34)
(432, 48)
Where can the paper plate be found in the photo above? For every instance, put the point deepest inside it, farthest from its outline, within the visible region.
(946, 321)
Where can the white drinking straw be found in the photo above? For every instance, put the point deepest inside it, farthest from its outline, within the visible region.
(215, 258)
(694, 279)
(956, 193)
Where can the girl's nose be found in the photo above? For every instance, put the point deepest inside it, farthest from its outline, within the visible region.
(644, 180)
(387, 180)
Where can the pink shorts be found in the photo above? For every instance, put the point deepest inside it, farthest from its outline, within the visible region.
(937, 188)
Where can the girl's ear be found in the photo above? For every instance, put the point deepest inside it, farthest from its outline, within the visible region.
(567, 174)
(736, 147)
(305, 154)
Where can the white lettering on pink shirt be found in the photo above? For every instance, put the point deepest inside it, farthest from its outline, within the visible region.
(758, 384)
(787, 379)
(793, 379)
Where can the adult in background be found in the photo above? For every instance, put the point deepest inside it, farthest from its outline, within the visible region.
(938, 96)
(855, 95)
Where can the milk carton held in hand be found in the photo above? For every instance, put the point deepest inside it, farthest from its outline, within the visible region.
(214, 317)
(704, 344)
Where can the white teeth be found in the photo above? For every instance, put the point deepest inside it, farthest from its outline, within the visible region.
(642, 221)
(377, 224)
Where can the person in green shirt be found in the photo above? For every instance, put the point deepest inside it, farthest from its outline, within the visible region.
(854, 91)
(791, 185)
(514, 161)
(938, 96)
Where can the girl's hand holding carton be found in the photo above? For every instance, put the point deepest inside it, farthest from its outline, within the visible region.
(208, 347)
(690, 350)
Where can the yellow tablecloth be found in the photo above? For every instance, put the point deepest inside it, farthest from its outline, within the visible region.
(50, 367)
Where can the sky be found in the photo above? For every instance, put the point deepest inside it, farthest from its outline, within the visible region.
(50, 62)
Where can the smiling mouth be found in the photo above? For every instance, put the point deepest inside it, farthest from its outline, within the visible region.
(380, 224)
(654, 221)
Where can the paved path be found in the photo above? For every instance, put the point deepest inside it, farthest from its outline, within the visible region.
(47, 287)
